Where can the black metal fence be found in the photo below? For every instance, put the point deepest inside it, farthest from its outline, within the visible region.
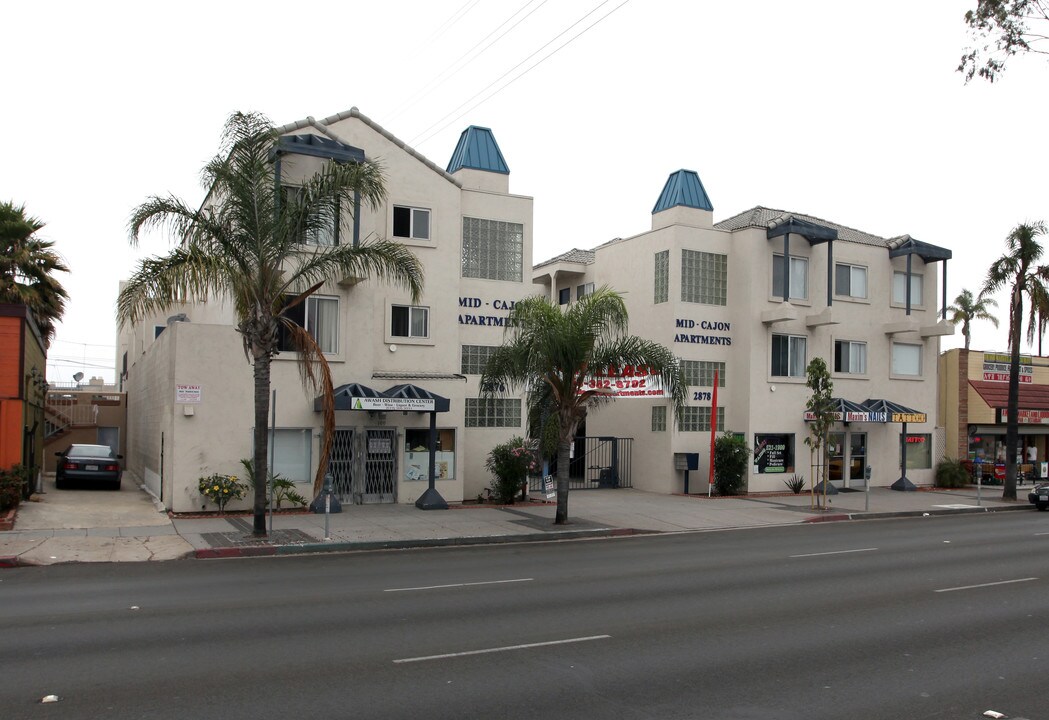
(597, 462)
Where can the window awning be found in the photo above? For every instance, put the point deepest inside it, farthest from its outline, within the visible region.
(996, 395)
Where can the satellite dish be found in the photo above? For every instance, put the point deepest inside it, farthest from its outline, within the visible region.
(78, 376)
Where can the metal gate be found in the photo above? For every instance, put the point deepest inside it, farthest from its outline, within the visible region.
(380, 466)
(340, 465)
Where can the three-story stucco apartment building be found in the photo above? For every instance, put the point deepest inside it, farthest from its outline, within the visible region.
(190, 389)
(755, 297)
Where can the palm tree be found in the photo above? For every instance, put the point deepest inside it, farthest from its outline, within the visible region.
(246, 244)
(27, 268)
(551, 352)
(965, 309)
(1017, 269)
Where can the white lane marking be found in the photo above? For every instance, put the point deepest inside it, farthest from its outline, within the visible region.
(1037, 534)
(955, 506)
(834, 552)
(983, 585)
(503, 649)
(455, 585)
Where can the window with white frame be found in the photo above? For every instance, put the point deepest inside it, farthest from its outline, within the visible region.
(583, 290)
(799, 277)
(850, 357)
(899, 289)
(493, 412)
(788, 355)
(850, 280)
(475, 358)
(319, 315)
(411, 222)
(409, 321)
(492, 249)
(906, 359)
(704, 277)
(662, 277)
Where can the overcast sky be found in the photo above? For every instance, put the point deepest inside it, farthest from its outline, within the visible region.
(852, 112)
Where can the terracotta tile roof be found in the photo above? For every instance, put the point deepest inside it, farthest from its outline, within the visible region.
(996, 394)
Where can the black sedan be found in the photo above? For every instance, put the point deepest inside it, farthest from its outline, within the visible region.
(88, 465)
(1039, 496)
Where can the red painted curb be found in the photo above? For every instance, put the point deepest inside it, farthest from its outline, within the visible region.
(8, 561)
(232, 552)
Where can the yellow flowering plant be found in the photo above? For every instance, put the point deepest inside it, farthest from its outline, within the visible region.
(220, 489)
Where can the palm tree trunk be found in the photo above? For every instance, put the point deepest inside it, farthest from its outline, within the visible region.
(1012, 429)
(561, 517)
(262, 411)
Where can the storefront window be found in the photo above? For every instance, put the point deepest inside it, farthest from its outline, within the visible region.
(773, 453)
(836, 455)
(919, 451)
(857, 455)
(417, 454)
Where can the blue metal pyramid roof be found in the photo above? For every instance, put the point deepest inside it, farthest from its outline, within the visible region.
(683, 188)
(478, 150)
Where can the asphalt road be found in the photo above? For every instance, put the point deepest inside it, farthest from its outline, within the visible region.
(940, 617)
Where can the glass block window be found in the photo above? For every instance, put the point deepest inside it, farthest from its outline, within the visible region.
(475, 357)
(701, 372)
(492, 249)
(659, 418)
(697, 419)
(493, 412)
(662, 279)
(704, 277)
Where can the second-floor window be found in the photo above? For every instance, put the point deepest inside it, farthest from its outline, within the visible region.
(411, 222)
(492, 249)
(788, 355)
(583, 290)
(850, 357)
(662, 277)
(906, 359)
(323, 230)
(409, 321)
(799, 277)
(320, 316)
(899, 289)
(704, 277)
(850, 280)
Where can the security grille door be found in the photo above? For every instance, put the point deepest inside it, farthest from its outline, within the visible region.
(340, 465)
(380, 466)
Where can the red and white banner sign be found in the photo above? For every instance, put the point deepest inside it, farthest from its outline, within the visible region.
(628, 381)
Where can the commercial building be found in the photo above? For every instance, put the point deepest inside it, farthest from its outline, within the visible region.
(754, 298)
(394, 362)
(974, 405)
(23, 360)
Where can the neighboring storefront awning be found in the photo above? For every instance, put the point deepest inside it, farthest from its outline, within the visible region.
(996, 395)
(879, 411)
(887, 411)
(405, 398)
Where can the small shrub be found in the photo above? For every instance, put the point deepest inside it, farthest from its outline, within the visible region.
(731, 457)
(796, 483)
(283, 488)
(510, 463)
(952, 474)
(13, 483)
(220, 489)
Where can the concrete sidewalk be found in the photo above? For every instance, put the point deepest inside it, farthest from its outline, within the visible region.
(84, 528)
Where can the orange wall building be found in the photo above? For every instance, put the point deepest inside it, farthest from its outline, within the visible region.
(23, 389)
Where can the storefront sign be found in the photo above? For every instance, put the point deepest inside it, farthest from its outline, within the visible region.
(773, 453)
(909, 417)
(996, 368)
(1028, 417)
(188, 394)
(850, 417)
(394, 404)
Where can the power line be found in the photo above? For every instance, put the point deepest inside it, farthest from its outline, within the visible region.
(438, 80)
(416, 141)
(450, 22)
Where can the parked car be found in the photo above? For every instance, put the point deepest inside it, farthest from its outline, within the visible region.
(1039, 496)
(88, 465)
